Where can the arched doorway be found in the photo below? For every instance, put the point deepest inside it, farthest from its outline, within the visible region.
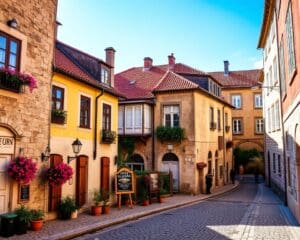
(170, 162)
(136, 163)
(7, 150)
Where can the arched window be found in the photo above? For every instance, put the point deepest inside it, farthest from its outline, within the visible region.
(170, 157)
(136, 163)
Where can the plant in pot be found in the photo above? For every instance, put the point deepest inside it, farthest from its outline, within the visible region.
(36, 221)
(106, 202)
(162, 195)
(24, 217)
(96, 209)
(66, 207)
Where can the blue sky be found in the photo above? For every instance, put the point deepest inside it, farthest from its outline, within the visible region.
(200, 33)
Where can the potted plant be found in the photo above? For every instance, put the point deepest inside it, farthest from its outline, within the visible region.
(145, 197)
(106, 202)
(36, 220)
(96, 209)
(59, 174)
(170, 134)
(162, 195)
(24, 216)
(22, 169)
(108, 136)
(66, 207)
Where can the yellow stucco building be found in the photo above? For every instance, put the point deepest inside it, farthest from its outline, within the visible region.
(84, 108)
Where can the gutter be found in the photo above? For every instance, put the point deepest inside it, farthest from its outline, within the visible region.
(96, 121)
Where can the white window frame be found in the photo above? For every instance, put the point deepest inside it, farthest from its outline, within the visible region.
(290, 41)
(237, 126)
(258, 100)
(259, 125)
(236, 100)
(172, 113)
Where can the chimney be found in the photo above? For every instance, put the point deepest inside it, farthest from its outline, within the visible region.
(147, 63)
(226, 68)
(171, 61)
(110, 59)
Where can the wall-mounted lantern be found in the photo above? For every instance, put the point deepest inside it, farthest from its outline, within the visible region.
(76, 146)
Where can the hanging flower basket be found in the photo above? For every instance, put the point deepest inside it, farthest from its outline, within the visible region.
(13, 80)
(22, 169)
(59, 174)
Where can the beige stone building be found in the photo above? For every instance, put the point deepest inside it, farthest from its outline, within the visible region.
(242, 90)
(175, 96)
(27, 30)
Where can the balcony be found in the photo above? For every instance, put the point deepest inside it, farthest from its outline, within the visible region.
(58, 116)
(108, 136)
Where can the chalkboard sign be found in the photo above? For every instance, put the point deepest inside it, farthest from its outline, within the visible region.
(124, 181)
(24, 193)
(154, 182)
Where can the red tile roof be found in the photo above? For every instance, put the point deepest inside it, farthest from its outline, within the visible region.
(80, 65)
(236, 79)
(173, 81)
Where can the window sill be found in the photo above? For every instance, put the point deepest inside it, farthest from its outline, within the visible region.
(87, 128)
(259, 133)
(237, 133)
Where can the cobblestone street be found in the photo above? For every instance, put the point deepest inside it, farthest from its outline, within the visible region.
(252, 212)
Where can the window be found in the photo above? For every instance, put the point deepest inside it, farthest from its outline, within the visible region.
(275, 78)
(290, 41)
(276, 116)
(104, 76)
(133, 119)
(136, 163)
(279, 165)
(106, 118)
(9, 52)
(269, 120)
(226, 119)
(171, 116)
(120, 118)
(237, 126)
(272, 118)
(259, 125)
(258, 102)
(282, 69)
(85, 104)
(57, 98)
(271, 77)
(236, 101)
(209, 163)
(219, 120)
(268, 83)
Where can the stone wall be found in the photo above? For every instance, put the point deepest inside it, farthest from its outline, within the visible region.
(28, 113)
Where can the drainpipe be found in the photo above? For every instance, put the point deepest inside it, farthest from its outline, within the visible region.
(96, 121)
(153, 136)
(224, 147)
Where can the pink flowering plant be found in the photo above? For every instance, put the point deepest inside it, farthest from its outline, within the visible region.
(22, 169)
(18, 78)
(59, 174)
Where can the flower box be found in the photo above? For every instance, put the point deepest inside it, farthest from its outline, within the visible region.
(108, 136)
(58, 116)
(169, 134)
(14, 81)
(213, 125)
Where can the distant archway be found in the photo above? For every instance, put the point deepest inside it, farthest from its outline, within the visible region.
(136, 163)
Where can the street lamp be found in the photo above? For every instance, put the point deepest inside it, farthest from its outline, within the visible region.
(76, 146)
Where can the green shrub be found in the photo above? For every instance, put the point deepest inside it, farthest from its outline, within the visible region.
(175, 134)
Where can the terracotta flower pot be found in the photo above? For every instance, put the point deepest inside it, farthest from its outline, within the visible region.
(74, 215)
(161, 199)
(36, 225)
(96, 210)
(145, 202)
(106, 209)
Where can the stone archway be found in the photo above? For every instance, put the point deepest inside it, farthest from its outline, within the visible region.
(170, 162)
(136, 162)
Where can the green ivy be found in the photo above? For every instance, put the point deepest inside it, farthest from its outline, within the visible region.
(175, 134)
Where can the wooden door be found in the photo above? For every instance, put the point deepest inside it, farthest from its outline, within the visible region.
(54, 191)
(81, 180)
(4, 184)
(104, 181)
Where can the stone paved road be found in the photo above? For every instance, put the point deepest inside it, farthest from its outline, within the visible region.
(252, 212)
